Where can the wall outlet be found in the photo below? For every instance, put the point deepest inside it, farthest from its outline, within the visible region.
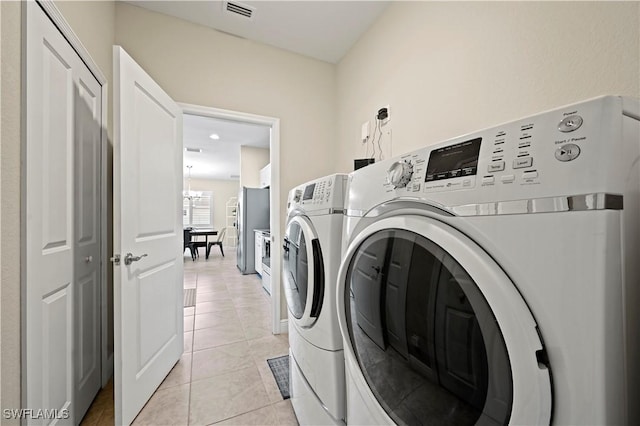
(384, 114)
(365, 132)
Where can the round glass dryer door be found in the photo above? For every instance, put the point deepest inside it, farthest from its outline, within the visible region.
(303, 271)
(426, 335)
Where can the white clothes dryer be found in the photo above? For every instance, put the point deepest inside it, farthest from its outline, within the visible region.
(494, 278)
(312, 248)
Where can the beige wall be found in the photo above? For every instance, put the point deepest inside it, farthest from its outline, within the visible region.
(10, 250)
(252, 160)
(94, 23)
(222, 191)
(449, 68)
(201, 66)
(0, 217)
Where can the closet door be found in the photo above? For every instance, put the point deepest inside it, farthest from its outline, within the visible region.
(87, 219)
(61, 232)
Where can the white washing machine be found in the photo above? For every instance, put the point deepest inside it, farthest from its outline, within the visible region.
(494, 278)
(312, 248)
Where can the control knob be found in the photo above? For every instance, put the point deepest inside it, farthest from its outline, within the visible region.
(399, 174)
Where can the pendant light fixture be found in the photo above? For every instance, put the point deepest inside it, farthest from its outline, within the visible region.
(189, 194)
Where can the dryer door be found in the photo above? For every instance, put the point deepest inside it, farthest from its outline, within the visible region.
(439, 332)
(303, 271)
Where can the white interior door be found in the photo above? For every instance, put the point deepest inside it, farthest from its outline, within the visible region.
(147, 222)
(61, 366)
(87, 240)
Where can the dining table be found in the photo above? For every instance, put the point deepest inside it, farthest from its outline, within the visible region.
(205, 233)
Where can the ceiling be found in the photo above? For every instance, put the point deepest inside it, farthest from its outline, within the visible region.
(324, 30)
(219, 159)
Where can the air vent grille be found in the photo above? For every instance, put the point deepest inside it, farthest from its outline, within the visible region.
(193, 149)
(239, 9)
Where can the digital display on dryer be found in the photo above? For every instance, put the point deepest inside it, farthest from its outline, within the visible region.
(454, 161)
(308, 192)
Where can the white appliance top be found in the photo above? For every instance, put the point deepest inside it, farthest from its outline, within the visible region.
(326, 195)
(567, 152)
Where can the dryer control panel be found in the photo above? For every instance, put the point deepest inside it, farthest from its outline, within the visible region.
(324, 193)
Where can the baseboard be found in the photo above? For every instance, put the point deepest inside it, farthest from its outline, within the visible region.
(284, 326)
(107, 371)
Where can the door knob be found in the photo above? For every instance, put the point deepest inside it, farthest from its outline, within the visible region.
(130, 258)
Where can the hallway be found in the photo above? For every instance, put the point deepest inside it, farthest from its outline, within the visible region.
(223, 376)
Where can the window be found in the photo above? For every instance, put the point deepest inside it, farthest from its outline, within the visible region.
(197, 211)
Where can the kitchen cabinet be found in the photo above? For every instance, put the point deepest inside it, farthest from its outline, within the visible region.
(265, 176)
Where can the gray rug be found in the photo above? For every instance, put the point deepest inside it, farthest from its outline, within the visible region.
(189, 297)
(280, 370)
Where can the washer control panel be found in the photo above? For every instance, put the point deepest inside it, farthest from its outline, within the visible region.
(561, 151)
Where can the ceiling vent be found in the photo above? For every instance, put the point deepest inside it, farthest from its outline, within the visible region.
(238, 9)
(193, 149)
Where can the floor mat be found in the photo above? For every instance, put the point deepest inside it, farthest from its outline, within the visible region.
(280, 370)
(189, 297)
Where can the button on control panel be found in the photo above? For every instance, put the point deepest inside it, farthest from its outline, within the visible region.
(522, 163)
(571, 123)
(567, 152)
(497, 166)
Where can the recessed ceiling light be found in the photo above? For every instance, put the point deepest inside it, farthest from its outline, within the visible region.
(214, 136)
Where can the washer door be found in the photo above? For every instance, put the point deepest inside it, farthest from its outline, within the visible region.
(303, 271)
(440, 333)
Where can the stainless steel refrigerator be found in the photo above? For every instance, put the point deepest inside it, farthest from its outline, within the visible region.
(253, 213)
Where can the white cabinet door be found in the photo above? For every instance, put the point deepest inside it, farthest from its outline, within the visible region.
(147, 213)
(258, 253)
(265, 176)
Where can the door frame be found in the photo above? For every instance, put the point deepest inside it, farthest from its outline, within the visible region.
(59, 21)
(278, 325)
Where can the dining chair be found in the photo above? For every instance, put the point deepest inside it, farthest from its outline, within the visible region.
(188, 243)
(218, 242)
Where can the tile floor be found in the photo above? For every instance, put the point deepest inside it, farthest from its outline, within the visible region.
(223, 376)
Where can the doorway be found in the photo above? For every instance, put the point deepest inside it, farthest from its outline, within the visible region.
(273, 124)
(279, 342)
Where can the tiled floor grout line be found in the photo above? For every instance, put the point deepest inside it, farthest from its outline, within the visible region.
(193, 334)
